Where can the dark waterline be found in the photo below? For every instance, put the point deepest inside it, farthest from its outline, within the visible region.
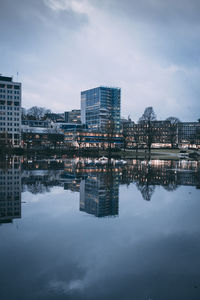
(73, 230)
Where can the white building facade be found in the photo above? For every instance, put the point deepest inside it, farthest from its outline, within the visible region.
(10, 112)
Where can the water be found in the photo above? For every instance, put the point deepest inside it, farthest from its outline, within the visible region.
(70, 230)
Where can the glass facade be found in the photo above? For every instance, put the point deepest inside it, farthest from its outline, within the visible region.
(99, 105)
(99, 194)
(189, 132)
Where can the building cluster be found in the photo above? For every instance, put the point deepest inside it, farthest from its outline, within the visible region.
(98, 124)
(164, 134)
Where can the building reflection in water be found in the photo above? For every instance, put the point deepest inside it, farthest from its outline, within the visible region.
(99, 185)
(99, 194)
(10, 190)
(168, 174)
(39, 176)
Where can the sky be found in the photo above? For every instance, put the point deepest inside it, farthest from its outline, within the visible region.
(148, 48)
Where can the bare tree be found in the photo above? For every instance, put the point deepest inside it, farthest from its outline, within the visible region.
(125, 139)
(136, 137)
(148, 130)
(173, 130)
(145, 183)
(127, 127)
(146, 190)
(24, 113)
(37, 113)
(110, 130)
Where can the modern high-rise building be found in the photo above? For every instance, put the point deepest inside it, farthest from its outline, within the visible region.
(99, 106)
(10, 112)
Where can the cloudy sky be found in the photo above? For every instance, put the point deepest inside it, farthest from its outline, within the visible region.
(149, 48)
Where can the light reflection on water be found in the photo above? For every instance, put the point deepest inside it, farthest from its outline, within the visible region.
(72, 230)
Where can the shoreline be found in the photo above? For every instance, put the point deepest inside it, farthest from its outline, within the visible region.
(170, 154)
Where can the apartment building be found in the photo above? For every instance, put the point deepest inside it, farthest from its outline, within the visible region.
(10, 112)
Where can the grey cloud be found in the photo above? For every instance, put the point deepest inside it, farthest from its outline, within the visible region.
(154, 11)
(29, 23)
(130, 44)
(169, 29)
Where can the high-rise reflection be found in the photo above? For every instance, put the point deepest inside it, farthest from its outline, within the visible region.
(99, 194)
(98, 187)
(10, 190)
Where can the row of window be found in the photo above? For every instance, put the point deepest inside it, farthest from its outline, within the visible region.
(9, 113)
(11, 195)
(15, 183)
(9, 119)
(9, 92)
(9, 172)
(9, 124)
(10, 129)
(9, 97)
(9, 177)
(9, 108)
(9, 103)
(9, 86)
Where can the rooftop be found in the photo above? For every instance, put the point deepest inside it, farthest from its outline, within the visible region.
(5, 78)
(102, 87)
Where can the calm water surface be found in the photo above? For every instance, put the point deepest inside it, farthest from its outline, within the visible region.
(73, 230)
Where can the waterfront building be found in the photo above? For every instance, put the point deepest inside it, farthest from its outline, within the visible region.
(135, 134)
(101, 106)
(41, 138)
(10, 112)
(189, 133)
(73, 116)
(93, 139)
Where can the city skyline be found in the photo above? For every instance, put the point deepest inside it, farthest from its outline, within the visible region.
(62, 47)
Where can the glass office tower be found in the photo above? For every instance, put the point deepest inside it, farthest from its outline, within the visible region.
(99, 105)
